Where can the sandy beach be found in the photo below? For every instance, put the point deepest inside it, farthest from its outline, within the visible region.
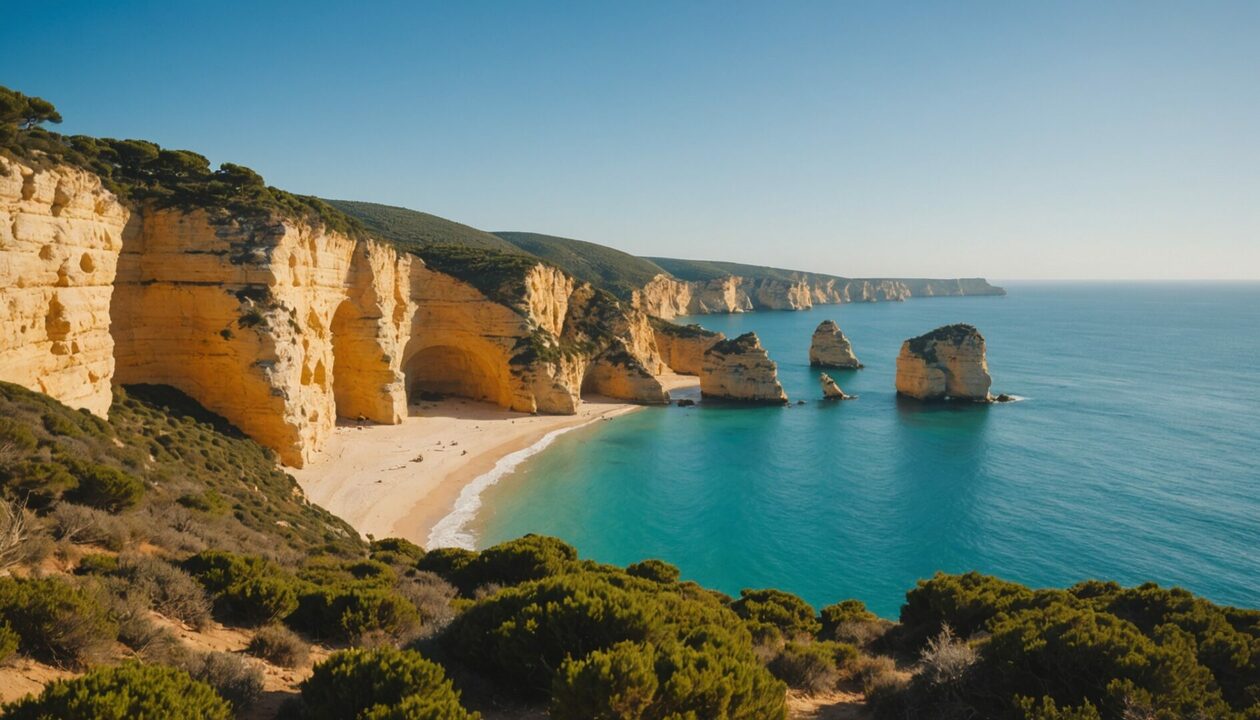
(402, 480)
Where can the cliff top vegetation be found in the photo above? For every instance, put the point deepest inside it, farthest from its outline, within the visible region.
(617, 272)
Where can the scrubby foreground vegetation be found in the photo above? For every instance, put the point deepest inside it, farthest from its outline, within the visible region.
(125, 541)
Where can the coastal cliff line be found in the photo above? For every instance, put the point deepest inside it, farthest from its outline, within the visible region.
(281, 323)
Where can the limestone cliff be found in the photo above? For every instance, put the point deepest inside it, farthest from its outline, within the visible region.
(830, 348)
(740, 369)
(683, 346)
(60, 235)
(278, 325)
(946, 364)
(668, 297)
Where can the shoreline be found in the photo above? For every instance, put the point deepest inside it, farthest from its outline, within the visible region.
(423, 478)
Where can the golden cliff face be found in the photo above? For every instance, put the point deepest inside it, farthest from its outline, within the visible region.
(741, 370)
(60, 235)
(946, 364)
(283, 326)
(683, 347)
(266, 323)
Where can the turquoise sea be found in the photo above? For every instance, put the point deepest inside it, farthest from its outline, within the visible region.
(1135, 456)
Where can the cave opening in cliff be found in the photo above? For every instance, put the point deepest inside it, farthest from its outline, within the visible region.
(357, 365)
(449, 370)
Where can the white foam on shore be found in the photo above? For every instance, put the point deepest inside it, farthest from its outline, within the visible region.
(453, 530)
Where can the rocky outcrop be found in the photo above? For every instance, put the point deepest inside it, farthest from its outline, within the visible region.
(740, 369)
(60, 235)
(830, 390)
(683, 346)
(668, 297)
(278, 325)
(946, 364)
(830, 348)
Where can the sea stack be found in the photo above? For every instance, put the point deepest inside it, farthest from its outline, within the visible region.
(831, 391)
(945, 364)
(740, 369)
(830, 348)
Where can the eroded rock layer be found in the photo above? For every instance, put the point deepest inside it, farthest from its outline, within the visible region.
(60, 235)
(683, 346)
(740, 369)
(946, 364)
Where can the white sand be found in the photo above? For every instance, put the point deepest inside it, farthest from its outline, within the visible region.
(370, 475)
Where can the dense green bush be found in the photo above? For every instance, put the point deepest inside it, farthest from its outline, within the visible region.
(56, 620)
(380, 684)
(655, 570)
(702, 654)
(772, 613)
(531, 557)
(104, 487)
(353, 611)
(245, 588)
(698, 678)
(124, 692)
(1094, 651)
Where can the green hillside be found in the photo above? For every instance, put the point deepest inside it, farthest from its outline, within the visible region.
(618, 272)
(713, 269)
(415, 230)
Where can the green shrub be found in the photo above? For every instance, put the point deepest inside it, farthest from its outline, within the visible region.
(97, 564)
(654, 570)
(845, 611)
(57, 424)
(57, 622)
(245, 588)
(531, 557)
(279, 645)
(769, 611)
(353, 611)
(396, 551)
(124, 692)
(618, 683)
(380, 684)
(697, 679)
(704, 660)
(446, 562)
(104, 487)
(964, 602)
(806, 666)
(9, 642)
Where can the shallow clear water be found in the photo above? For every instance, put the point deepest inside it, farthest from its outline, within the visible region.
(1135, 457)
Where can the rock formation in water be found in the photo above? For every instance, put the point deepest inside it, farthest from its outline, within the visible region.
(830, 390)
(830, 348)
(946, 364)
(740, 369)
(683, 346)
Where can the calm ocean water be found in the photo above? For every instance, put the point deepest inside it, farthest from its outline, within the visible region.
(1135, 457)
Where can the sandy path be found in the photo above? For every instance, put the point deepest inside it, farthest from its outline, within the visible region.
(401, 480)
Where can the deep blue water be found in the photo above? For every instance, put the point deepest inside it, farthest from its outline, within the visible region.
(1135, 457)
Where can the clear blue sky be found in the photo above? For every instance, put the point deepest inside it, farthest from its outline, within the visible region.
(1004, 139)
